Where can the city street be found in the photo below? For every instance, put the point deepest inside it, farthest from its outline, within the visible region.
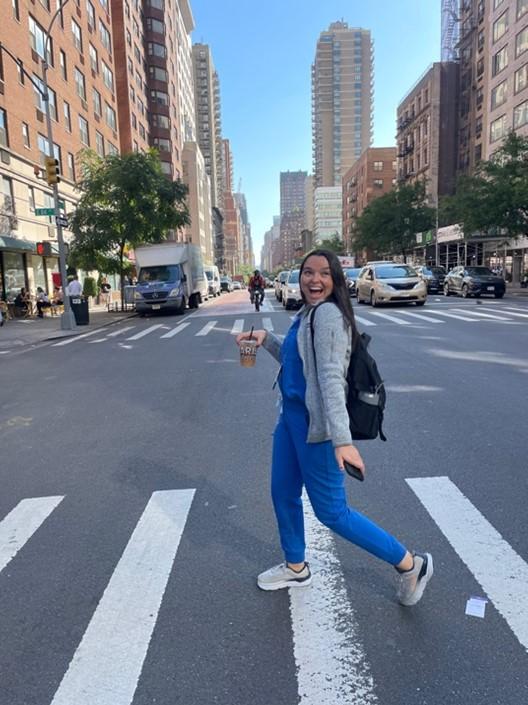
(135, 515)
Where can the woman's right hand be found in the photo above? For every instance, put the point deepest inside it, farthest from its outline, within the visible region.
(258, 335)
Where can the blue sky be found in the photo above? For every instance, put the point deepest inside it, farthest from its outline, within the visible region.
(263, 52)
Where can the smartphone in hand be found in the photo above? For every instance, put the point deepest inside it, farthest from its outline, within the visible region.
(353, 471)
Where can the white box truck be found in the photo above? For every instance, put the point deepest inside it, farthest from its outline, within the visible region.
(170, 277)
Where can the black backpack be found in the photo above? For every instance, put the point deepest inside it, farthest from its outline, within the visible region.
(366, 396)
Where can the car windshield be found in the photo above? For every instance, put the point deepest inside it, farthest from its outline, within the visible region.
(479, 271)
(399, 271)
(294, 277)
(433, 271)
(160, 273)
(352, 273)
(208, 274)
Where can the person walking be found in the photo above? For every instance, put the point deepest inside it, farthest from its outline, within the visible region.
(312, 438)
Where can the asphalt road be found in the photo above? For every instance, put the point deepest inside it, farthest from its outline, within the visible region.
(135, 515)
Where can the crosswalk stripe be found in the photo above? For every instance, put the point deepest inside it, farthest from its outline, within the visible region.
(207, 328)
(331, 663)
(107, 665)
(481, 315)
(390, 318)
(268, 325)
(421, 316)
(364, 321)
(238, 326)
(120, 331)
(21, 523)
(453, 315)
(514, 308)
(145, 332)
(175, 331)
(501, 572)
(74, 338)
(508, 313)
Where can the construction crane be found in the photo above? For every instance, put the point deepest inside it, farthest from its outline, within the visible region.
(450, 30)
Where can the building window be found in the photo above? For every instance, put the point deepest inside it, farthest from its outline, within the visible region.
(111, 148)
(500, 26)
(38, 41)
(90, 12)
(104, 34)
(159, 97)
(378, 183)
(521, 42)
(142, 132)
(71, 166)
(522, 8)
(16, 10)
(104, 5)
(4, 141)
(63, 65)
(499, 95)
(158, 74)
(80, 84)
(155, 49)
(25, 135)
(108, 76)
(99, 144)
(133, 121)
(378, 166)
(498, 128)
(500, 60)
(94, 61)
(520, 115)
(31, 199)
(77, 36)
(110, 117)
(67, 116)
(160, 121)
(97, 105)
(163, 145)
(496, 3)
(155, 26)
(84, 132)
(520, 79)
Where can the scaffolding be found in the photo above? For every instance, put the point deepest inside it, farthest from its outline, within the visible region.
(450, 30)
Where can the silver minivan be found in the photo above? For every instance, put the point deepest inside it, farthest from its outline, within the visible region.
(387, 283)
(213, 279)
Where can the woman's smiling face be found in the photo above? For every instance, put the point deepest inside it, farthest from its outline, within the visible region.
(316, 279)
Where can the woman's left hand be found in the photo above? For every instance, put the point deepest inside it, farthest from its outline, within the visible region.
(351, 455)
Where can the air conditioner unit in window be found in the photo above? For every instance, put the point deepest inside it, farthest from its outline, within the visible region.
(5, 156)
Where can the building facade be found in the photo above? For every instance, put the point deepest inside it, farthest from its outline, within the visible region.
(328, 213)
(342, 86)
(195, 176)
(427, 131)
(231, 213)
(371, 176)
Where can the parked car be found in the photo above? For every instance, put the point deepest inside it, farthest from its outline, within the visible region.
(291, 291)
(387, 283)
(226, 284)
(213, 279)
(474, 281)
(279, 281)
(433, 277)
(237, 285)
(351, 275)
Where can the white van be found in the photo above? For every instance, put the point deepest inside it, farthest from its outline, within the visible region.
(213, 279)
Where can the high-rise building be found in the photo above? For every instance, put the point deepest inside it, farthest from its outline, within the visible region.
(292, 212)
(245, 242)
(231, 213)
(328, 213)
(342, 79)
(200, 229)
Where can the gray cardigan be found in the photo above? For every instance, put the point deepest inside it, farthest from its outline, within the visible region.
(325, 382)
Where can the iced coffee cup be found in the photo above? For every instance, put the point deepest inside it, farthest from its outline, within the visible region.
(248, 353)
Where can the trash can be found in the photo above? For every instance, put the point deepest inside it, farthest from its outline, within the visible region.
(80, 310)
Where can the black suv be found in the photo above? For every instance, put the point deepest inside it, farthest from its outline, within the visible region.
(433, 277)
(474, 281)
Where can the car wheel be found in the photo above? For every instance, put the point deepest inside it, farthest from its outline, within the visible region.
(420, 303)
(465, 292)
(181, 307)
(446, 290)
(373, 301)
(358, 298)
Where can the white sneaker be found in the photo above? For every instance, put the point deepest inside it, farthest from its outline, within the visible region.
(280, 576)
(412, 582)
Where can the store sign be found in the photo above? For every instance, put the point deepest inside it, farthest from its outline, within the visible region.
(450, 233)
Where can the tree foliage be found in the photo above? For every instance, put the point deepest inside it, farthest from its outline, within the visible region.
(496, 197)
(335, 244)
(126, 201)
(389, 224)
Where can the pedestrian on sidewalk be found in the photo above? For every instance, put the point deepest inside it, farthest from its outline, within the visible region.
(74, 288)
(312, 438)
(105, 291)
(42, 301)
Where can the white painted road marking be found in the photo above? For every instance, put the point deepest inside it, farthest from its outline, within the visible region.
(238, 326)
(332, 667)
(21, 523)
(145, 332)
(501, 572)
(120, 331)
(421, 316)
(175, 331)
(207, 328)
(267, 324)
(107, 665)
(508, 313)
(390, 318)
(481, 315)
(364, 321)
(453, 315)
(73, 339)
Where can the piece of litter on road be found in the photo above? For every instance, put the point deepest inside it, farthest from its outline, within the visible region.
(233, 506)
(476, 607)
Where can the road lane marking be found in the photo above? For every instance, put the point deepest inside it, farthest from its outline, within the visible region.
(481, 315)
(238, 326)
(175, 331)
(268, 325)
(145, 332)
(21, 523)
(421, 316)
(120, 331)
(72, 340)
(508, 313)
(364, 321)
(207, 328)
(501, 572)
(453, 315)
(332, 667)
(514, 308)
(107, 665)
(390, 318)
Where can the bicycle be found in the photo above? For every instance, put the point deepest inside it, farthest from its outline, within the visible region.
(258, 296)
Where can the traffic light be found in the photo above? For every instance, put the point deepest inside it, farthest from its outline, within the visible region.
(52, 170)
(44, 249)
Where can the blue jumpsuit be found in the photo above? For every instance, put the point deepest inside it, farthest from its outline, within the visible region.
(296, 463)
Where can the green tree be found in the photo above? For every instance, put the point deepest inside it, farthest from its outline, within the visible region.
(335, 244)
(495, 198)
(389, 224)
(126, 201)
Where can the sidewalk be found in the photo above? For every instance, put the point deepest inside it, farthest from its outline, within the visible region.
(515, 290)
(18, 333)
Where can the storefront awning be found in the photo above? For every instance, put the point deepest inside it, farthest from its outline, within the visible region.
(14, 243)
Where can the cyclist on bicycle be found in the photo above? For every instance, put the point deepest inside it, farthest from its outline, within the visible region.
(256, 283)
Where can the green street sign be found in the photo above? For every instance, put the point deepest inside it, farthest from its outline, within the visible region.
(62, 205)
(44, 211)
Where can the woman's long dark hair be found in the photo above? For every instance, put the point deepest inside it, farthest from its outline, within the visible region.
(339, 295)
